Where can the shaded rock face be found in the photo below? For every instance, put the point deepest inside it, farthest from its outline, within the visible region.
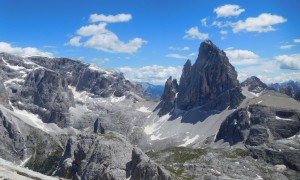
(107, 156)
(168, 97)
(266, 131)
(254, 84)
(49, 94)
(210, 82)
(287, 90)
(144, 168)
(98, 128)
(4, 96)
(12, 143)
(91, 79)
(259, 124)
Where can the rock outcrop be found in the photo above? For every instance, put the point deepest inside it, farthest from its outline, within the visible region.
(210, 82)
(98, 128)
(254, 84)
(12, 143)
(107, 156)
(287, 90)
(168, 97)
(269, 126)
(46, 93)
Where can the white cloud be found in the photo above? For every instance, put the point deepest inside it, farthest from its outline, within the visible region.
(223, 32)
(204, 22)
(193, 33)
(241, 57)
(228, 10)
(93, 29)
(81, 58)
(287, 46)
(100, 61)
(221, 24)
(102, 39)
(110, 18)
(154, 74)
(289, 61)
(176, 56)
(282, 77)
(192, 54)
(185, 48)
(74, 41)
(27, 51)
(262, 23)
(296, 40)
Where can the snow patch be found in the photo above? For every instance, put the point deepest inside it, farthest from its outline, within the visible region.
(259, 102)
(117, 99)
(143, 109)
(284, 119)
(189, 140)
(97, 68)
(150, 129)
(255, 94)
(157, 137)
(258, 177)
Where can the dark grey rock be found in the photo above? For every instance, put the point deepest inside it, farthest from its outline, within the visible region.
(168, 97)
(98, 127)
(211, 82)
(50, 94)
(107, 156)
(142, 167)
(12, 143)
(254, 84)
(286, 90)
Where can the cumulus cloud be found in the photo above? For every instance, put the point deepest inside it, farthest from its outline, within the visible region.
(280, 78)
(287, 46)
(75, 41)
(185, 48)
(241, 57)
(262, 23)
(221, 24)
(223, 32)
(194, 33)
(296, 40)
(27, 51)
(228, 10)
(176, 56)
(154, 74)
(100, 61)
(110, 18)
(97, 36)
(291, 62)
(204, 22)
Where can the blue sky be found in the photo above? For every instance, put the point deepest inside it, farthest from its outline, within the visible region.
(150, 40)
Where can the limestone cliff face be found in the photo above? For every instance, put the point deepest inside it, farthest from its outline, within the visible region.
(210, 82)
(168, 97)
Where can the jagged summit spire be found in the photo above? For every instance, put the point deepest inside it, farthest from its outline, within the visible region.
(211, 81)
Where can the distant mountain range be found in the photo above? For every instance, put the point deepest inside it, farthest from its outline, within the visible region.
(152, 91)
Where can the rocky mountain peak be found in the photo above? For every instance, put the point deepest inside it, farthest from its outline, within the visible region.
(254, 84)
(211, 81)
(169, 96)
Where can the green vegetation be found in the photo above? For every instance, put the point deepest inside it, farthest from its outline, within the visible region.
(176, 157)
(153, 154)
(238, 152)
(111, 136)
